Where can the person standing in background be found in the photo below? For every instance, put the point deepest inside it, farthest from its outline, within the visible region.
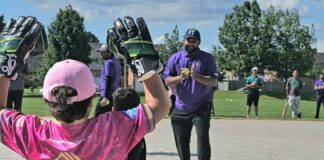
(253, 83)
(293, 89)
(110, 80)
(16, 90)
(319, 87)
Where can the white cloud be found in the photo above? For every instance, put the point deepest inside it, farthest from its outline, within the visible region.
(159, 40)
(204, 48)
(48, 5)
(303, 10)
(180, 11)
(320, 46)
(286, 4)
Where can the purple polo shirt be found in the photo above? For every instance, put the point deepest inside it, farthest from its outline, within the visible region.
(111, 67)
(190, 94)
(319, 83)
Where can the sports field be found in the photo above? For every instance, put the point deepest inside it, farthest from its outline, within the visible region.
(228, 104)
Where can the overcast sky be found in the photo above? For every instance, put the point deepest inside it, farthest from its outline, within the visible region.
(162, 15)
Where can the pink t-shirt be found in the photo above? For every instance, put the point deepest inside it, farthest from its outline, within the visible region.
(109, 136)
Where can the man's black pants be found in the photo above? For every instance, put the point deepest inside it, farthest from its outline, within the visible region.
(182, 124)
(319, 101)
(15, 97)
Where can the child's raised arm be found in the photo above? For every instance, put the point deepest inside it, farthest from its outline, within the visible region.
(156, 97)
(4, 85)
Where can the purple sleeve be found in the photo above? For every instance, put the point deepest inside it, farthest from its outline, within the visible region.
(316, 83)
(109, 68)
(212, 70)
(170, 68)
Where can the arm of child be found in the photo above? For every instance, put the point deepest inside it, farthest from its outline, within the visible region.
(4, 85)
(156, 97)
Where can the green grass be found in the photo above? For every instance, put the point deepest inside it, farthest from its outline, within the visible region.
(270, 106)
(34, 104)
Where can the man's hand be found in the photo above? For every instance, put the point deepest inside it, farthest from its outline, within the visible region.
(104, 102)
(18, 39)
(134, 42)
(184, 73)
(193, 72)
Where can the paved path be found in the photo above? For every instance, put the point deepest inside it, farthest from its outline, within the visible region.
(7, 154)
(247, 139)
(241, 140)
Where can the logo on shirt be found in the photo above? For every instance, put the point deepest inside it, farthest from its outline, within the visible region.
(198, 63)
(67, 156)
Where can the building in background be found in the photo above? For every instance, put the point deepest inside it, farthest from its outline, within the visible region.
(319, 60)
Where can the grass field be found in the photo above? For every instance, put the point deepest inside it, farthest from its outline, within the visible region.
(227, 104)
(270, 106)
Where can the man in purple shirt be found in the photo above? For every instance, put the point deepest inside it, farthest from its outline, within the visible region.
(319, 87)
(193, 73)
(110, 80)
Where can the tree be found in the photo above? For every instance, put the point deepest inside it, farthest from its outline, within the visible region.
(67, 40)
(172, 44)
(91, 37)
(272, 39)
(314, 72)
(2, 24)
(293, 45)
(239, 37)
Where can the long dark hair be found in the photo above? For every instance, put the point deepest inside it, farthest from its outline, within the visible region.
(65, 111)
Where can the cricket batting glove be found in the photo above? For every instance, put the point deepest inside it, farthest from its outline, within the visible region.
(134, 42)
(19, 39)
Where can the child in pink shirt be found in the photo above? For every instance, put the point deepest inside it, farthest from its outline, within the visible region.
(69, 89)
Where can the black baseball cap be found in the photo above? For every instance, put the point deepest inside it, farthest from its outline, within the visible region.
(192, 33)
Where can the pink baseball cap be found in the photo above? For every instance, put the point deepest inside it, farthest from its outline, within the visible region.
(69, 73)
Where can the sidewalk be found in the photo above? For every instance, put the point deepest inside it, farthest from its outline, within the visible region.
(7, 154)
(246, 140)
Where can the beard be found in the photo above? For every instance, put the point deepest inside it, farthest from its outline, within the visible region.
(191, 49)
